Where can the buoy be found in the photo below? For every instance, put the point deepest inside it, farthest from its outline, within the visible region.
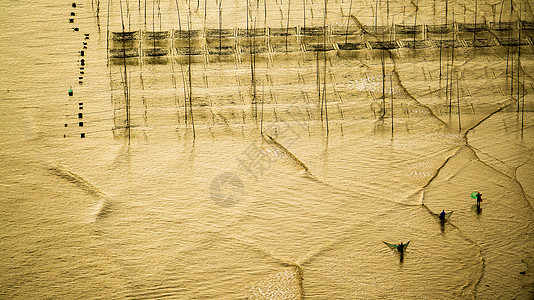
(80, 124)
(73, 4)
(80, 115)
(82, 135)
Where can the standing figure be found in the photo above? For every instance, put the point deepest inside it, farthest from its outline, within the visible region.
(400, 247)
(442, 216)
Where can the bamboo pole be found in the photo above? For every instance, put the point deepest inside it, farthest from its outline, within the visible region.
(518, 56)
(262, 100)
(145, 15)
(107, 35)
(318, 82)
(154, 25)
(98, 12)
(441, 39)
(458, 98)
(452, 63)
(252, 46)
(376, 13)
(383, 85)
(475, 30)
(348, 21)
(287, 26)
(509, 37)
(447, 83)
(500, 14)
(248, 31)
(391, 87)
(415, 22)
(128, 14)
(325, 74)
(178, 13)
(220, 26)
(512, 81)
(125, 81)
(254, 71)
(181, 66)
(159, 14)
(523, 104)
(189, 73)
(304, 15)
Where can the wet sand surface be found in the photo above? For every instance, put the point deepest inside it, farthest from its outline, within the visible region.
(128, 200)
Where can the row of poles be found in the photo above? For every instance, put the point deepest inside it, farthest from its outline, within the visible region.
(321, 86)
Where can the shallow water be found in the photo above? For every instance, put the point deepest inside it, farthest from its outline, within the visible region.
(302, 215)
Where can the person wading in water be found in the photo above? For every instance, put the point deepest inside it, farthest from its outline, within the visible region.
(442, 216)
(479, 199)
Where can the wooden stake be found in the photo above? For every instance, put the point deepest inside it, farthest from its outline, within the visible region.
(304, 15)
(325, 75)
(391, 86)
(512, 81)
(189, 66)
(518, 56)
(262, 99)
(383, 85)
(220, 26)
(348, 21)
(523, 104)
(376, 13)
(125, 82)
(441, 39)
(509, 37)
(475, 30)
(415, 22)
(178, 13)
(500, 14)
(287, 26)
(452, 63)
(107, 36)
(458, 98)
